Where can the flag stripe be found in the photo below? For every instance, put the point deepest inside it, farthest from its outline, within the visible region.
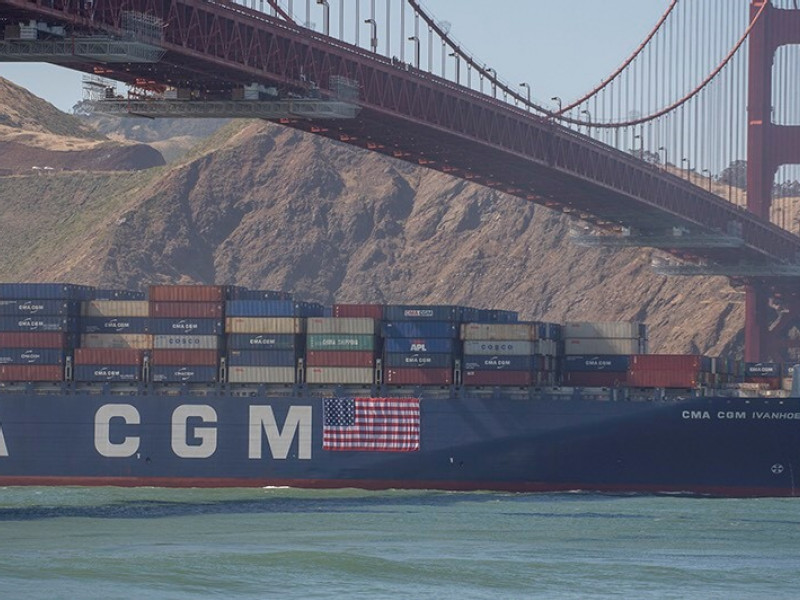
(371, 424)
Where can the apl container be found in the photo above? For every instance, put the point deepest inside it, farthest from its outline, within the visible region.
(264, 341)
(139, 341)
(289, 325)
(184, 374)
(340, 375)
(104, 372)
(351, 325)
(420, 345)
(115, 308)
(340, 358)
(114, 324)
(284, 375)
(31, 373)
(31, 356)
(108, 356)
(184, 310)
(262, 358)
(32, 308)
(340, 341)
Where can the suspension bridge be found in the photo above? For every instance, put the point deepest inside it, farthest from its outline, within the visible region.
(691, 146)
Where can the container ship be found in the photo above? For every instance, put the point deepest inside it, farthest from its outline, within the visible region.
(218, 386)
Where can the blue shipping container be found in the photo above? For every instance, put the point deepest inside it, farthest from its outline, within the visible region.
(245, 294)
(264, 341)
(40, 323)
(590, 364)
(108, 294)
(418, 360)
(762, 370)
(107, 373)
(114, 324)
(185, 326)
(262, 358)
(483, 362)
(61, 308)
(49, 291)
(31, 356)
(423, 329)
(426, 345)
(190, 374)
(405, 312)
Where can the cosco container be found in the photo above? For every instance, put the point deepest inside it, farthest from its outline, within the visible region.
(285, 375)
(181, 357)
(183, 310)
(187, 293)
(188, 326)
(105, 372)
(34, 339)
(38, 323)
(31, 373)
(193, 342)
(114, 325)
(499, 347)
(498, 378)
(426, 329)
(115, 308)
(418, 376)
(139, 341)
(340, 358)
(31, 356)
(17, 308)
(50, 291)
(605, 329)
(184, 374)
(340, 341)
(422, 345)
(264, 341)
(340, 375)
(418, 360)
(585, 346)
(373, 311)
(482, 362)
(108, 356)
(351, 325)
(498, 331)
(405, 312)
(264, 325)
(616, 363)
(262, 358)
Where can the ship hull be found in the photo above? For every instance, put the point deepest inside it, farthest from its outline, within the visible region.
(711, 446)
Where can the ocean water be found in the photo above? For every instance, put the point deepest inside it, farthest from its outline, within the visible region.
(143, 543)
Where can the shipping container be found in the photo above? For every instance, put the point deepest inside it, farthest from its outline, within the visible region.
(262, 358)
(31, 373)
(546, 347)
(45, 291)
(423, 329)
(189, 326)
(39, 323)
(181, 357)
(264, 341)
(36, 339)
(188, 342)
(669, 362)
(340, 358)
(347, 325)
(272, 308)
(418, 360)
(16, 308)
(245, 294)
(114, 325)
(139, 341)
(188, 293)
(264, 325)
(340, 341)
(762, 370)
(548, 331)
(115, 308)
(184, 374)
(498, 378)
(105, 372)
(584, 346)
(423, 345)
(483, 362)
(183, 310)
(605, 329)
(594, 379)
(663, 378)
(340, 375)
(108, 356)
(500, 347)
(498, 331)
(31, 356)
(286, 375)
(120, 295)
(405, 312)
(418, 376)
(616, 363)
(372, 311)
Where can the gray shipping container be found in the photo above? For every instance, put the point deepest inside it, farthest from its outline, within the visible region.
(138, 341)
(604, 346)
(347, 325)
(604, 329)
(115, 308)
(186, 342)
(261, 374)
(264, 325)
(498, 331)
(499, 347)
(343, 375)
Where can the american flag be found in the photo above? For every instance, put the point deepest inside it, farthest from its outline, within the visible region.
(371, 424)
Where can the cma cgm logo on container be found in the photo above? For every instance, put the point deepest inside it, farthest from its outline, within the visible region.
(193, 429)
(30, 356)
(263, 341)
(184, 325)
(30, 307)
(410, 312)
(116, 324)
(30, 323)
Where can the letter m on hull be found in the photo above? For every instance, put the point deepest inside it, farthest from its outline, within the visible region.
(297, 425)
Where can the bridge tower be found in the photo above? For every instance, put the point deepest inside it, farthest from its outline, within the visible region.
(772, 306)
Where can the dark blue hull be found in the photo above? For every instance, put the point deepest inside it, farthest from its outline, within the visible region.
(716, 446)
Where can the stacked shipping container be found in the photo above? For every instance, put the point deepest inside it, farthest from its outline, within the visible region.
(596, 353)
(341, 350)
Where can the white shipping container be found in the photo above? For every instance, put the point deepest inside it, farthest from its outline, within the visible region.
(343, 375)
(137, 341)
(261, 374)
(346, 325)
(498, 331)
(546, 347)
(602, 346)
(291, 325)
(186, 342)
(603, 329)
(115, 308)
(499, 347)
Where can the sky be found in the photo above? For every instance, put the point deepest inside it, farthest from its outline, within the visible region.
(560, 48)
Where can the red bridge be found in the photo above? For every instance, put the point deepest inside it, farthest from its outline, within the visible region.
(602, 159)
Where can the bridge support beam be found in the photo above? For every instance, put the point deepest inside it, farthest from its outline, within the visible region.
(768, 147)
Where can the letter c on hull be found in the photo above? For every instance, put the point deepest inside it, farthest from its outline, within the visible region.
(102, 434)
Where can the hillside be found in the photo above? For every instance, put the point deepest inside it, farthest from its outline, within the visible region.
(264, 206)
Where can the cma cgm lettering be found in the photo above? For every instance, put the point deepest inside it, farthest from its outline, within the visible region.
(186, 326)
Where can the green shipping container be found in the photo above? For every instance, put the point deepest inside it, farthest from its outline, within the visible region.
(340, 341)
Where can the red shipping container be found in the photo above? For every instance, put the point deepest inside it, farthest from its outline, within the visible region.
(374, 311)
(663, 379)
(772, 383)
(498, 378)
(31, 373)
(418, 376)
(108, 356)
(187, 293)
(666, 362)
(179, 310)
(340, 358)
(32, 339)
(181, 358)
(593, 379)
